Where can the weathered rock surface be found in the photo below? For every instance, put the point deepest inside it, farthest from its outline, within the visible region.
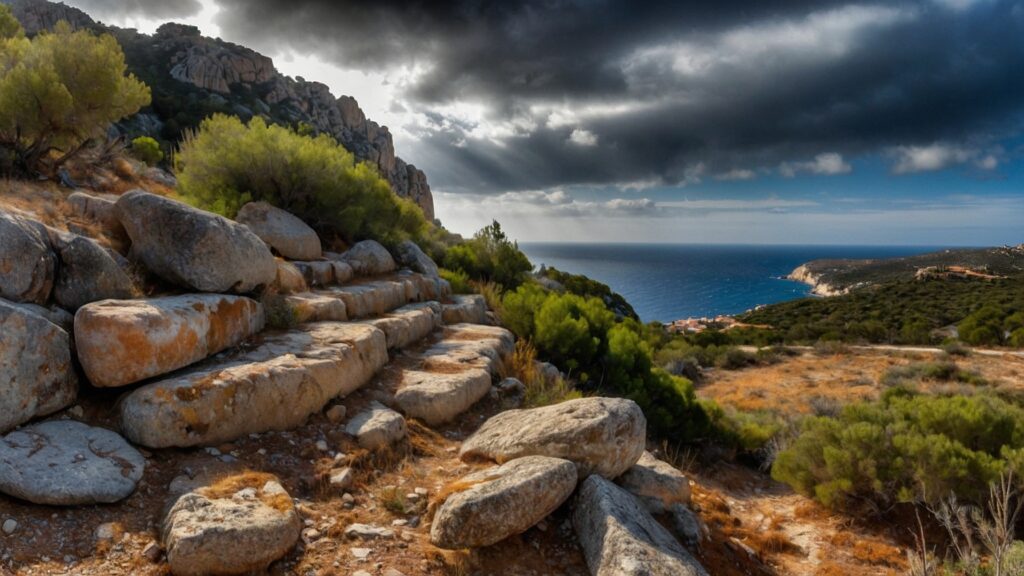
(55, 314)
(36, 374)
(27, 265)
(412, 257)
(274, 386)
(238, 526)
(502, 501)
(317, 272)
(470, 345)
(284, 232)
(369, 258)
(86, 272)
(99, 209)
(120, 342)
(620, 538)
(65, 463)
(377, 427)
(372, 298)
(436, 398)
(196, 249)
(603, 436)
(313, 307)
(657, 484)
(466, 308)
(408, 324)
(290, 279)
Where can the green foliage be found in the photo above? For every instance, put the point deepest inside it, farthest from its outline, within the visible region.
(580, 285)
(750, 432)
(58, 91)
(905, 447)
(901, 312)
(490, 257)
(146, 149)
(458, 279)
(909, 375)
(9, 25)
(227, 163)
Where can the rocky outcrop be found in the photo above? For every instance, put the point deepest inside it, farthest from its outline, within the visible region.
(805, 274)
(86, 272)
(37, 16)
(369, 258)
(238, 525)
(657, 484)
(412, 257)
(66, 463)
(502, 501)
(27, 265)
(98, 209)
(121, 342)
(283, 232)
(603, 436)
(193, 248)
(466, 308)
(376, 427)
(620, 538)
(36, 375)
(274, 386)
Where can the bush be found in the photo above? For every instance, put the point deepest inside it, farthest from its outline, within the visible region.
(490, 257)
(146, 149)
(982, 328)
(59, 91)
(947, 371)
(225, 164)
(458, 279)
(905, 447)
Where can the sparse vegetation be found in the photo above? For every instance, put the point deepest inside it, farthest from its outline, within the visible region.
(146, 149)
(490, 257)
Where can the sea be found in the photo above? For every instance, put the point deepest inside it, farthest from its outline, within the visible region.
(666, 282)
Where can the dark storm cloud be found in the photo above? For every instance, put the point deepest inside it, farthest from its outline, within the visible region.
(156, 9)
(614, 92)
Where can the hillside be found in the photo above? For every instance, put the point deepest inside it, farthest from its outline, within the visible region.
(832, 277)
(192, 77)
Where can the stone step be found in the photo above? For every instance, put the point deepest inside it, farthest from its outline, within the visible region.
(314, 307)
(466, 309)
(470, 345)
(275, 385)
(409, 324)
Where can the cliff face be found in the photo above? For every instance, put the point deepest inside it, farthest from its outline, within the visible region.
(193, 76)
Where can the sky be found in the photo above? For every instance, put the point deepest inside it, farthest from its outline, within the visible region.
(775, 121)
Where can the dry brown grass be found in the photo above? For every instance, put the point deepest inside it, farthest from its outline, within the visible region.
(878, 554)
(227, 486)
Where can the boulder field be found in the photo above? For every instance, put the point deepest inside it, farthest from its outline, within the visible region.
(253, 335)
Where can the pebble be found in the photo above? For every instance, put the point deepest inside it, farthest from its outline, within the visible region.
(361, 573)
(392, 572)
(10, 525)
(336, 413)
(152, 552)
(368, 531)
(361, 553)
(421, 491)
(106, 531)
(341, 479)
(322, 446)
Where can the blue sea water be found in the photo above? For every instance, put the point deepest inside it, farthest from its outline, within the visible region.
(666, 282)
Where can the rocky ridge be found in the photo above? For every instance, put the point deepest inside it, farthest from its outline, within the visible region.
(189, 72)
(241, 442)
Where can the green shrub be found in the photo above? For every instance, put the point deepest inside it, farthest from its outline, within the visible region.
(225, 164)
(982, 328)
(59, 91)
(490, 257)
(945, 371)
(904, 447)
(146, 149)
(581, 285)
(458, 279)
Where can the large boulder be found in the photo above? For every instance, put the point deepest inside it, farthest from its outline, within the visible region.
(120, 342)
(377, 427)
(274, 386)
(414, 258)
(98, 209)
(369, 258)
(67, 463)
(27, 265)
(282, 231)
(502, 501)
(603, 436)
(657, 484)
(620, 538)
(86, 272)
(196, 249)
(36, 374)
(239, 525)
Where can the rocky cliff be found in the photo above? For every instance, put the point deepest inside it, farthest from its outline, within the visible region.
(193, 76)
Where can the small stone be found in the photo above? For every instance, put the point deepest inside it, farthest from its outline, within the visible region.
(368, 532)
(152, 552)
(361, 553)
(311, 535)
(412, 497)
(361, 573)
(347, 498)
(336, 413)
(322, 446)
(399, 522)
(341, 479)
(421, 491)
(10, 525)
(106, 531)
(392, 572)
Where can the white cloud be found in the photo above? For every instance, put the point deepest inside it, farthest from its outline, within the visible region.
(736, 174)
(581, 137)
(826, 164)
(937, 156)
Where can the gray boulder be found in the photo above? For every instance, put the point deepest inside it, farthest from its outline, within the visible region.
(412, 257)
(283, 231)
(369, 258)
(377, 427)
(67, 463)
(98, 209)
(86, 272)
(603, 436)
(620, 538)
(466, 309)
(27, 265)
(657, 484)
(502, 501)
(36, 374)
(194, 248)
